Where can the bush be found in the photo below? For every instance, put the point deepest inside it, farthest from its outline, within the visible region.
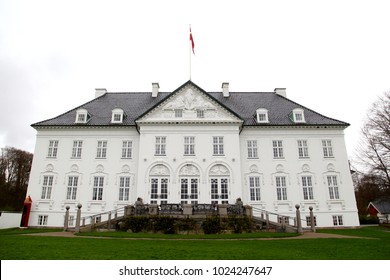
(239, 224)
(212, 225)
(136, 224)
(367, 220)
(163, 224)
(187, 224)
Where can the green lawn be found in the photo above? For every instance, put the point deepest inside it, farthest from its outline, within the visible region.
(16, 245)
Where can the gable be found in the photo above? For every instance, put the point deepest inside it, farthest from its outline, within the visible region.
(189, 104)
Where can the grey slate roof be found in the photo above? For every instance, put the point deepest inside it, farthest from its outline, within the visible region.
(241, 104)
(382, 205)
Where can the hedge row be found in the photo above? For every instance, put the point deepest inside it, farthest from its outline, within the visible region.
(169, 225)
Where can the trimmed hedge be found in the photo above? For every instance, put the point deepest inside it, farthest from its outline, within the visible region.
(169, 225)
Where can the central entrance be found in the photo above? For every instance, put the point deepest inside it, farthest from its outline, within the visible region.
(189, 184)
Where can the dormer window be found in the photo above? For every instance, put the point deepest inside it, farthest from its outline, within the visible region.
(298, 115)
(117, 116)
(82, 116)
(262, 115)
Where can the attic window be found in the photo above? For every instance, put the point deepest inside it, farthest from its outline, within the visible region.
(262, 115)
(82, 116)
(298, 115)
(178, 113)
(117, 116)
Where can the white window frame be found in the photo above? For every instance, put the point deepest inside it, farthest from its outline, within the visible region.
(42, 220)
(218, 146)
(101, 150)
(333, 187)
(77, 148)
(308, 221)
(53, 149)
(82, 116)
(189, 145)
(262, 115)
(98, 187)
(298, 115)
(277, 146)
(252, 149)
(161, 145)
(327, 148)
(281, 188)
(254, 188)
(337, 220)
(127, 148)
(303, 149)
(307, 187)
(71, 193)
(47, 186)
(124, 188)
(117, 116)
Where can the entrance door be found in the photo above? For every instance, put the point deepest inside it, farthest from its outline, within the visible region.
(189, 190)
(220, 190)
(159, 190)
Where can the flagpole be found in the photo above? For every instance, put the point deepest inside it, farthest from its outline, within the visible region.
(189, 51)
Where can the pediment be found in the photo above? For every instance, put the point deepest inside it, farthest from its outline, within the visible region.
(189, 104)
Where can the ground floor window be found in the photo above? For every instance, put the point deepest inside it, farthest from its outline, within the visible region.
(189, 190)
(159, 190)
(337, 220)
(219, 190)
(308, 221)
(42, 220)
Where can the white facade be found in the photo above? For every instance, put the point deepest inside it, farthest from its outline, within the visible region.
(188, 148)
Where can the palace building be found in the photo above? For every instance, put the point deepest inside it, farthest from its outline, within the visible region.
(191, 146)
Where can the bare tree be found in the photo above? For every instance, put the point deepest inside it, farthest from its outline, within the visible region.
(374, 149)
(15, 166)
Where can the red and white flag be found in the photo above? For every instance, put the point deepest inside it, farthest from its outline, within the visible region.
(192, 41)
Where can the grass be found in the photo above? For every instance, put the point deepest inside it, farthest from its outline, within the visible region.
(15, 245)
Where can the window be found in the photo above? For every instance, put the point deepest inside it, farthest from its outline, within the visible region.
(101, 149)
(262, 115)
(252, 149)
(124, 188)
(298, 115)
(47, 187)
(218, 145)
(42, 220)
(327, 148)
(281, 188)
(337, 220)
(308, 221)
(160, 146)
(82, 116)
(117, 116)
(277, 148)
(200, 113)
(307, 188)
(71, 221)
(71, 193)
(76, 150)
(189, 145)
(53, 148)
(303, 150)
(127, 149)
(254, 188)
(178, 113)
(333, 187)
(97, 192)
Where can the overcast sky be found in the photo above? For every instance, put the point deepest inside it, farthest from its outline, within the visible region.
(332, 56)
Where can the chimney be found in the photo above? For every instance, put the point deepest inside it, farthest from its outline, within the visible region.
(225, 89)
(155, 88)
(99, 92)
(281, 91)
